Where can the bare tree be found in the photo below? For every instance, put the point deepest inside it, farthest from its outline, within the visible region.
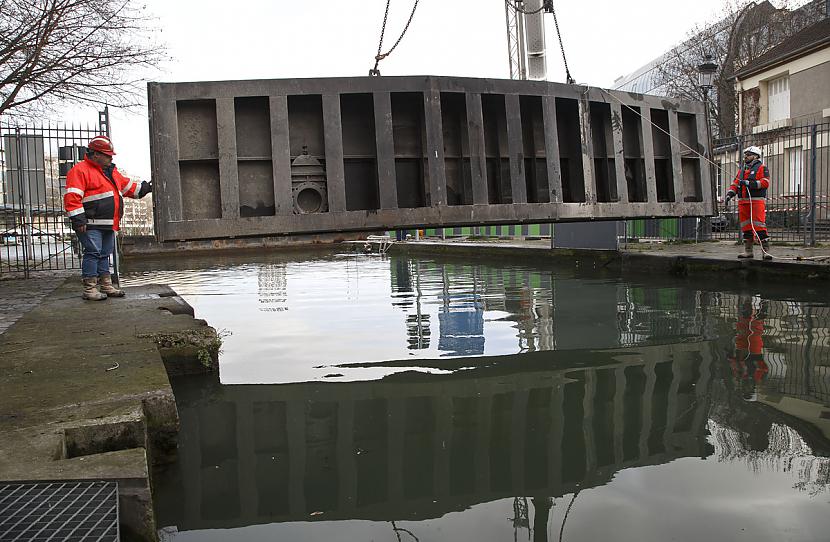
(80, 51)
(744, 31)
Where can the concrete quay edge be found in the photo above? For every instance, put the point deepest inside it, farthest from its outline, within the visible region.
(85, 394)
(701, 260)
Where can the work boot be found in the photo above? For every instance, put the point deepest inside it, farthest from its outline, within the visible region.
(747, 253)
(765, 246)
(106, 286)
(91, 292)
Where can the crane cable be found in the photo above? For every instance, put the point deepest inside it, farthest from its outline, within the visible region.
(380, 56)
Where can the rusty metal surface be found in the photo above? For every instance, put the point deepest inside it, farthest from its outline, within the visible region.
(230, 158)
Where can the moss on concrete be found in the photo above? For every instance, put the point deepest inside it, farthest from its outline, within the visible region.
(202, 344)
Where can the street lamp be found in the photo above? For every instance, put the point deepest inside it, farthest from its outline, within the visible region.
(705, 75)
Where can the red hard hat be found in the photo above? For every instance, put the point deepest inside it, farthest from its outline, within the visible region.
(101, 144)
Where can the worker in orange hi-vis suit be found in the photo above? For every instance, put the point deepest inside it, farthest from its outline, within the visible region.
(748, 365)
(750, 185)
(94, 204)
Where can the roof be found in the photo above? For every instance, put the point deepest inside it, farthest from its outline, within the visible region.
(803, 42)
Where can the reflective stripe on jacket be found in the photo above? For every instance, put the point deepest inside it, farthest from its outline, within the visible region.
(94, 199)
(758, 179)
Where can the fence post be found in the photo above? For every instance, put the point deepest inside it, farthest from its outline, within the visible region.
(738, 165)
(813, 176)
(104, 128)
(22, 213)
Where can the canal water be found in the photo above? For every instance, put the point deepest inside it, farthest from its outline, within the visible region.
(399, 398)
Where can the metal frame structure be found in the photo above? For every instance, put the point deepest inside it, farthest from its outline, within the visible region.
(418, 152)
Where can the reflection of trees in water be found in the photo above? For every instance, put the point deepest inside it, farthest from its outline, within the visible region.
(786, 452)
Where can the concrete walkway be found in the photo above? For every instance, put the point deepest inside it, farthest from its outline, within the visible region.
(725, 250)
(84, 391)
(19, 296)
(704, 258)
(729, 250)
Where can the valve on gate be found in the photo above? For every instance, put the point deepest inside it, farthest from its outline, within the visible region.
(308, 184)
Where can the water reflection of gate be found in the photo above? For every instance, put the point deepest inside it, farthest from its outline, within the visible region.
(423, 446)
(552, 309)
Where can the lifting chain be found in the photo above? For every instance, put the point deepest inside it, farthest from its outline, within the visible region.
(380, 56)
(570, 80)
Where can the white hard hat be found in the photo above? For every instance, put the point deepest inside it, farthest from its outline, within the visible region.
(754, 150)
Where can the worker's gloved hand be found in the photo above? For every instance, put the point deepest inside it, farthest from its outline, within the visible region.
(729, 196)
(744, 182)
(145, 189)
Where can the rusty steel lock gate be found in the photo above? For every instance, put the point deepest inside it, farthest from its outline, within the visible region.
(295, 156)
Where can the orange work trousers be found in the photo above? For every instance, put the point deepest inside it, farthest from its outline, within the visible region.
(751, 215)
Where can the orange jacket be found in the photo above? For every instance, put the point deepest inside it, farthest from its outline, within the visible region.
(95, 199)
(757, 175)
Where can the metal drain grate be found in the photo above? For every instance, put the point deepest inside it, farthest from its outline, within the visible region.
(65, 511)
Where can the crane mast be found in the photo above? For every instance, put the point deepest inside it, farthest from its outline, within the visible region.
(526, 38)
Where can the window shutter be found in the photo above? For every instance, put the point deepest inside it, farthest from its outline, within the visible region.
(779, 98)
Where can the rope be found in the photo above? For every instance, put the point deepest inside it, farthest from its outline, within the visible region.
(380, 56)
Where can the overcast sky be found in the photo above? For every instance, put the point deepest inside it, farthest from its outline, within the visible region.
(249, 39)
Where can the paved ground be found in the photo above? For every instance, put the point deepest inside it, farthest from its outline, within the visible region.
(19, 296)
(729, 250)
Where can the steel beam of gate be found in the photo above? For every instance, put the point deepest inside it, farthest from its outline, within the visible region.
(292, 156)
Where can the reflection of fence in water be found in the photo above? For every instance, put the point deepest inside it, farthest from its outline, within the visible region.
(786, 452)
(389, 450)
(796, 343)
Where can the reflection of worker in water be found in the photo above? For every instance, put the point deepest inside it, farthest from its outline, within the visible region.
(748, 366)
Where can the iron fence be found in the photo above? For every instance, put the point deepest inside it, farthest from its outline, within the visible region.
(34, 161)
(798, 200)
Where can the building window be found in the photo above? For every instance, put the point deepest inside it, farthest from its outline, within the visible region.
(779, 98)
(796, 171)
